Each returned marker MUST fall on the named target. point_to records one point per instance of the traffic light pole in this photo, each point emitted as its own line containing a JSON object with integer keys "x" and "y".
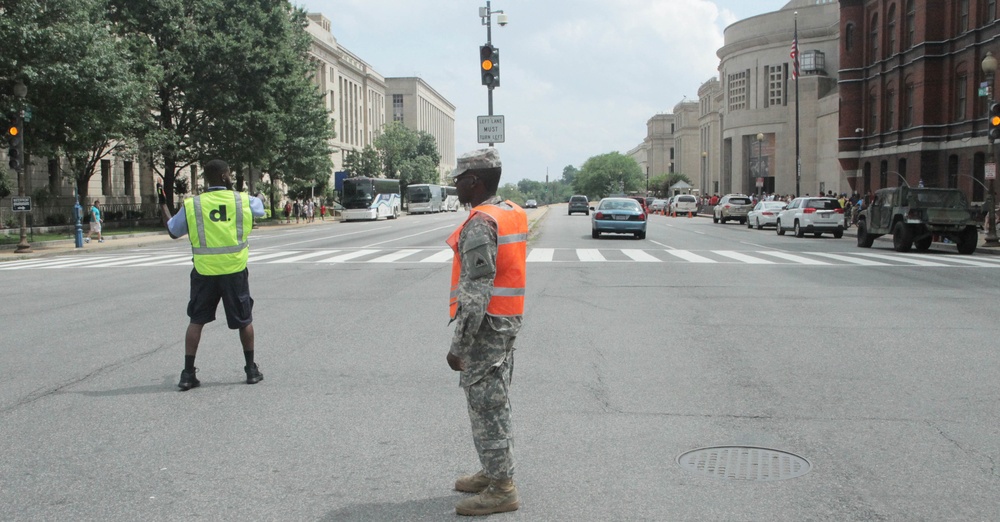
{"x": 22, "y": 246}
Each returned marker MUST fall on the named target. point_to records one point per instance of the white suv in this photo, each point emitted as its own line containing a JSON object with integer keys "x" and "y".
{"x": 816, "y": 215}
{"x": 683, "y": 204}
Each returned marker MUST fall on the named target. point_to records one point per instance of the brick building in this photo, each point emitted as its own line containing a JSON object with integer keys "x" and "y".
{"x": 910, "y": 92}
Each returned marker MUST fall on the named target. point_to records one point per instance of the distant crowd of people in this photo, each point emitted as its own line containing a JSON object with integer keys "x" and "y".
{"x": 304, "y": 210}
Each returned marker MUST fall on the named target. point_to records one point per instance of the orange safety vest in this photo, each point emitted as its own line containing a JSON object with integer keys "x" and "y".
{"x": 512, "y": 253}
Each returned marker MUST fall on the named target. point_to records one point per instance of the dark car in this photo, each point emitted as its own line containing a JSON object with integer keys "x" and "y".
{"x": 579, "y": 203}
{"x": 531, "y": 204}
{"x": 914, "y": 216}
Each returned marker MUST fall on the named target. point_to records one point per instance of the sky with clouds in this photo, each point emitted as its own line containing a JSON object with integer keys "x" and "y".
{"x": 577, "y": 79}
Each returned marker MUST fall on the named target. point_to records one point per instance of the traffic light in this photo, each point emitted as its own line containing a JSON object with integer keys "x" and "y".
{"x": 15, "y": 142}
{"x": 489, "y": 65}
{"x": 994, "y": 121}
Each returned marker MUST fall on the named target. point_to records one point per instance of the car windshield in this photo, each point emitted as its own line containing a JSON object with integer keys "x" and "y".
{"x": 618, "y": 204}
{"x": 822, "y": 204}
{"x": 739, "y": 201}
{"x": 937, "y": 198}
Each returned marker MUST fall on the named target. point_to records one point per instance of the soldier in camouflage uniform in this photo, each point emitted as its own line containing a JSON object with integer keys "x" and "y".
{"x": 483, "y": 344}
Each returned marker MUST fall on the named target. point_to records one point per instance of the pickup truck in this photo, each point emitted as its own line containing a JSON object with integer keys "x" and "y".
{"x": 915, "y": 216}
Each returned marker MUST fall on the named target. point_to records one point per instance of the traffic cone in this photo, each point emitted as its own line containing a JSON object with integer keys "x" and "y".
{"x": 689, "y": 214}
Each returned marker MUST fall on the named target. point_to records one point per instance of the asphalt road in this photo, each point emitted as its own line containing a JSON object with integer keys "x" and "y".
{"x": 878, "y": 371}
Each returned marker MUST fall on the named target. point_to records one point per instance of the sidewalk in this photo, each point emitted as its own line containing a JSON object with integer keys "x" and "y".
{"x": 144, "y": 239}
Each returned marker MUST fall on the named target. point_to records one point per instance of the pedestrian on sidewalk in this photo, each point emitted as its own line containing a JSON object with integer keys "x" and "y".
{"x": 322, "y": 211}
{"x": 218, "y": 222}
{"x": 288, "y": 211}
{"x": 487, "y": 304}
{"x": 95, "y": 222}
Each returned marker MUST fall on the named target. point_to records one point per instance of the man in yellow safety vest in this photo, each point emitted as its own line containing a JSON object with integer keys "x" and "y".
{"x": 218, "y": 222}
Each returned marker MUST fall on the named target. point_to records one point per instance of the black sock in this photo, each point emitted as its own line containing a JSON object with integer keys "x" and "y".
{"x": 249, "y": 357}
{"x": 189, "y": 363}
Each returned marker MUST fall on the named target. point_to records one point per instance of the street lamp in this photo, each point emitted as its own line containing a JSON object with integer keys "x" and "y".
{"x": 760, "y": 155}
{"x": 704, "y": 172}
{"x": 989, "y": 70}
{"x": 20, "y": 92}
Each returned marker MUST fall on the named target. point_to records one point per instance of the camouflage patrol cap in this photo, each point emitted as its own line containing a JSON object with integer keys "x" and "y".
{"x": 477, "y": 159}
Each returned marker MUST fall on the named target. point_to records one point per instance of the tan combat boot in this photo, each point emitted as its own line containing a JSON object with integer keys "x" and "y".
{"x": 472, "y": 483}
{"x": 499, "y": 497}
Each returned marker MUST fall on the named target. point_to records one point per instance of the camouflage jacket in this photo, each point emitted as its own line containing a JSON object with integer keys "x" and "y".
{"x": 477, "y": 245}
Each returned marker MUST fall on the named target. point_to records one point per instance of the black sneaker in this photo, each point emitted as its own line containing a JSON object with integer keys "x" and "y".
{"x": 188, "y": 380}
{"x": 253, "y": 374}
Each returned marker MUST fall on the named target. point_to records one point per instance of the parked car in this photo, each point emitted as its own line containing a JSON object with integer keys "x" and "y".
{"x": 642, "y": 203}
{"x": 815, "y": 215}
{"x": 684, "y": 203}
{"x": 578, "y": 203}
{"x": 764, "y": 214}
{"x": 658, "y": 205}
{"x": 618, "y": 216}
{"x": 531, "y": 204}
{"x": 732, "y": 206}
{"x": 915, "y": 215}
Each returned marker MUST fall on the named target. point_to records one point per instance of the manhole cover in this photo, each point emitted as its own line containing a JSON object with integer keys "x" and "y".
{"x": 744, "y": 463}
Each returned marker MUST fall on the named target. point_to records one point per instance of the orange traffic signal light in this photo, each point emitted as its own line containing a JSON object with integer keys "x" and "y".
{"x": 994, "y": 121}
{"x": 489, "y": 65}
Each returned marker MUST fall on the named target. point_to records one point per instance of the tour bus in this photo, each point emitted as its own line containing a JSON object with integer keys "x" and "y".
{"x": 370, "y": 198}
{"x": 451, "y": 199}
{"x": 424, "y": 198}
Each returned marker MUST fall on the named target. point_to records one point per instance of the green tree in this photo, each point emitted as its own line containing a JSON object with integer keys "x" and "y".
{"x": 610, "y": 173}
{"x": 569, "y": 174}
{"x": 661, "y": 184}
{"x": 511, "y": 192}
{"x": 230, "y": 81}
{"x": 406, "y": 155}
{"x": 85, "y": 99}
{"x": 364, "y": 163}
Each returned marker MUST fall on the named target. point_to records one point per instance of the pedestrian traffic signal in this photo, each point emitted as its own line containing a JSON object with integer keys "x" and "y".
{"x": 489, "y": 65}
{"x": 994, "y": 121}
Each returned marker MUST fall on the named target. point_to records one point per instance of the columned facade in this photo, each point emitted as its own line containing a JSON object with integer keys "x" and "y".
{"x": 420, "y": 108}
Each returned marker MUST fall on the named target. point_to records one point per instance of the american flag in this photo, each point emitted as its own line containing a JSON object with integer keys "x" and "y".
{"x": 794, "y": 55}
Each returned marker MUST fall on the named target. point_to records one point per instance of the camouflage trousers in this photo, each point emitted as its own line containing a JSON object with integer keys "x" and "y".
{"x": 489, "y": 411}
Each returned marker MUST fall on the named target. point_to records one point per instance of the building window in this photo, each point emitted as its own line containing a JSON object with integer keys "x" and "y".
{"x": 901, "y": 167}
{"x": 963, "y": 16}
{"x": 53, "y": 176}
{"x": 890, "y": 31}
{"x": 775, "y": 85}
{"x": 105, "y": 177}
{"x": 890, "y": 110}
{"x": 991, "y": 10}
{"x": 397, "y": 107}
{"x": 883, "y": 174}
{"x": 910, "y": 100}
{"x": 911, "y": 24}
{"x": 738, "y": 91}
{"x": 873, "y": 113}
{"x": 873, "y": 39}
{"x": 129, "y": 182}
{"x": 961, "y": 84}
{"x": 953, "y": 171}
{"x": 849, "y": 38}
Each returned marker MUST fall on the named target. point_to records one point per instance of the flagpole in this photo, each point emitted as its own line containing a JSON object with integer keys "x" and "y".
{"x": 798, "y": 159}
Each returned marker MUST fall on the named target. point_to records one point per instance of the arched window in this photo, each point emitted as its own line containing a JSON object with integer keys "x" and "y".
{"x": 883, "y": 174}
{"x": 890, "y": 31}
{"x": 873, "y": 39}
{"x": 961, "y": 94}
{"x": 911, "y": 25}
{"x": 910, "y": 93}
{"x": 901, "y": 167}
{"x": 890, "y": 108}
{"x": 872, "y": 113}
{"x": 849, "y": 38}
{"x": 953, "y": 171}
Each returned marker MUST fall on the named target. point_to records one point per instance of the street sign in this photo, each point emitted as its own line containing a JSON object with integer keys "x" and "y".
{"x": 490, "y": 129}
{"x": 760, "y": 182}
{"x": 991, "y": 171}
{"x": 22, "y": 204}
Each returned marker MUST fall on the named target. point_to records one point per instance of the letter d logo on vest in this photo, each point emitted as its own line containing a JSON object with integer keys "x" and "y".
{"x": 218, "y": 215}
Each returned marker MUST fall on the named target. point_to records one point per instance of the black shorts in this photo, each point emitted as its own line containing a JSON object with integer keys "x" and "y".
{"x": 232, "y": 289}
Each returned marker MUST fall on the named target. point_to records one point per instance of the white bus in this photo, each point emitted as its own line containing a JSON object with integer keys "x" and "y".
{"x": 370, "y": 198}
{"x": 424, "y": 199}
{"x": 451, "y": 199}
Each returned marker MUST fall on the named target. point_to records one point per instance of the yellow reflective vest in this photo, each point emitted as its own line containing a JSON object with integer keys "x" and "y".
{"x": 219, "y": 224}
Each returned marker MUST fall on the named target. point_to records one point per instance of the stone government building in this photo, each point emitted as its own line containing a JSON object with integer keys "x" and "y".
{"x": 867, "y": 70}
{"x": 359, "y": 99}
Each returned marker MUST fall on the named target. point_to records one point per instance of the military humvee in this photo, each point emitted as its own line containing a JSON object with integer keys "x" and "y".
{"x": 914, "y": 216}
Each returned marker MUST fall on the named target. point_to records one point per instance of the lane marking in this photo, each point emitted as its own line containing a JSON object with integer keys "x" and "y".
{"x": 541, "y": 255}
{"x": 690, "y": 256}
{"x": 442, "y": 256}
{"x": 347, "y": 257}
{"x": 794, "y": 258}
{"x": 640, "y": 256}
{"x": 589, "y": 254}
{"x": 395, "y": 256}
{"x": 743, "y": 257}
{"x": 852, "y": 260}
{"x": 309, "y": 255}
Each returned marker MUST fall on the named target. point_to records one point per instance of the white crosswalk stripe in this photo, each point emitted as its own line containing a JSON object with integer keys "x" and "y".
{"x": 536, "y": 256}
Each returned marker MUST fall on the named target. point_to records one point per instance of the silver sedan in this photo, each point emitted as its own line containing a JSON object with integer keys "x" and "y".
{"x": 764, "y": 214}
